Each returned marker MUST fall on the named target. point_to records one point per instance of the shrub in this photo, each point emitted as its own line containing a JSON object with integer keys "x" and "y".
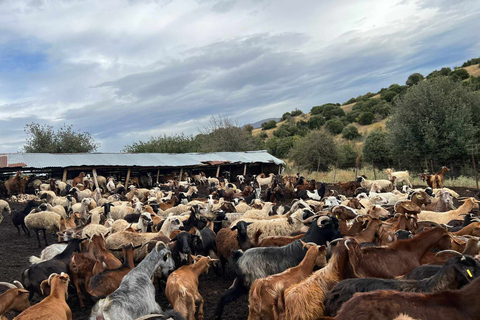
{"x": 459, "y": 75}
{"x": 280, "y": 147}
{"x": 315, "y": 151}
{"x": 315, "y": 122}
{"x": 269, "y": 125}
{"x": 388, "y": 95}
{"x": 383, "y": 109}
{"x": 285, "y": 116}
{"x": 346, "y": 155}
{"x": 350, "y": 132}
{"x": 397, "y": 88}
{"x": 263, "y": 135}
{"x": 285, "y": 130}
{"x": 352, "y": 116}
{"x": 414, "y": 79}
{"x": 296, "y": 112}
{"x": 334, "y": 126}
{"x": 439, "y": 73}
{"x": 376, "y": 149}
{"x": 351, "y": 100}
{"x": 471, "y": 62}
{"x": 248, "y": 128}
{"x": 332, "y": 111}
{"x": 366, "y": 118}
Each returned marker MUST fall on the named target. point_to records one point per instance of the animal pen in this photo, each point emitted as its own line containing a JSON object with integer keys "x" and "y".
{"x": 123, "y": 166}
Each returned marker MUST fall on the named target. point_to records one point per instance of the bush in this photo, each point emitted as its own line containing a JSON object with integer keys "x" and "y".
{"x": 351, "y": 100}
{"x": 471, "y": 62}
{"x": 366, "y": 118}
{"x": 347, "y": 155}
{"x": 334, "y": 126}
{"x": 350, "y": 132}
{"x": 376, "y": 149}
{"x": 263, "y": 135}
{"x": 332, "y": 111}
{"x": 414, "y": 79}
{"x": 388, "y": 95}
{"x": 285, "y": 116}
{"x": 319, "y": 109}
{"x": 352, "y": 116}
{"x": 440, "y": 73}
{"x": 315, "y": 151}
{"x": 315, "y": 122}
{"x": 248, "y": 128}
{"x": 285, "y": 130}
{"x": 459, "y": 75}
{"x": 280, "y": 147}
{"x": 383, "y": 109}
{"x": 397, "y": 88}
{"x": 269, "y": 125}
{"x": 296, "y": 112}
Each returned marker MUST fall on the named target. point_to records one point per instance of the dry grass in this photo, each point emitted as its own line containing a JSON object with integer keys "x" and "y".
{"x": 473, "y": 70}
{"x": 345, "y": 175}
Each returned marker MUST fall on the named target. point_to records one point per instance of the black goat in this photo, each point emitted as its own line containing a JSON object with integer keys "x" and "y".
{"x": 18, "y": 218}
{"x": 106, "y": 207}
{"x": 422, "y": 272}
{"x": 459, "y": 224}
{"x": 456, "y": 273}
{"x": 33, "y": 276}
{"x": 258, "y": 263}
{"x": 183, "y": 248}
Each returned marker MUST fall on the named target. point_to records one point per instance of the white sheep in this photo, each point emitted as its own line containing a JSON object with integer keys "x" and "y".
{"x": 259, "y": 213}
{"x": 94, "y": 227}
{"x": 48, "y": 253}
{"x": 110, "y": 185}
{"x": 65, "y": 202}
{"x": 400, "y": 176}
{"x": 47, "y": 221}
{"x": 4, "y": 206}
{"x": 119, "y": 225}
{"x": 265, "y": 181}
{"x": 386, "y": 185}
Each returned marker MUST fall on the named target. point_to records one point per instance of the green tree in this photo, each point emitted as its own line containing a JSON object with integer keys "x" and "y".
{"x": 414, "y": 79}
{"x": 332, "y": 111}
{"x": 315, "y": 122}
{"x": 285, "y": 116}
{"x": 366, "y": 118}
{"x": 334, "y": 126}
{"x": 44, "y": 139}
{"x": 347, "y": 155}
{"x": 280, "y": 147}
{"x": 388, "y": 95}
{"x": 315, "y": 151}
{"x": 440, "y": 73}
{"x": 285, "y": 130}
{"x": 263, "y": 135}
{"x": 164, "y": 144}
{"x": 269, "y": 125}
{"x": 459, "y": 75}
{"x": 471, "y": 62}
{"x": 436, "y": 118}
{"x": 248, "y": 128}
{"x": 350, "y": 132}
{"x": 296, "y": 112}
{"x": 376, "y": 149}
{"x": 351, "y": 100}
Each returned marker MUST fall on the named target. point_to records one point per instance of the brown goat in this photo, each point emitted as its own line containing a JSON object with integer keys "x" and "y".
{"x": 53, "y": 307}
{"x": 368, "y": 234}
{"x": 348, "y": 188}
{"x": 265, "y": 292}
{"x": 17, "y": 184}
{"x": 275, "y": 241}
{"x": 398, "y": 258}
{"x": 445, "y": 305}
{"x": 182, "y": 287}
{"x": 78, "y": 179}
{"x": 108, "y": 258}
{"x": 81, "y": 266}
{"x": 106, "y": 282}
{"x": 15, "y": 298}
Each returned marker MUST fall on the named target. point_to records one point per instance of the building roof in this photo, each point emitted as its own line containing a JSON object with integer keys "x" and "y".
{"x": 64, "y": 160}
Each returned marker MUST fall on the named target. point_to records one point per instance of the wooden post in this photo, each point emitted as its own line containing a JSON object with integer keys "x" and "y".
{"x": 128, "y": 177}
{"x": 94, "y": 171}
{"x": 244, "y": 169}
{"x": 279, "y": 169}
{"x": 374, "y": 173}
{"x": 64, "y": 179}
{"x": 475, "y": 169}
{"x": 181, "y": 174}
{"x": 218, "y": 171}
{"x": 158, "y": 174}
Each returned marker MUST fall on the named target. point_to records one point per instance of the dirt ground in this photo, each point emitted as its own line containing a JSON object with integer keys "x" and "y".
{"x": 16, "y": 249}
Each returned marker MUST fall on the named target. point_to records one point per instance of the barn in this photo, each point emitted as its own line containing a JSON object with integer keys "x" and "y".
{"x": 122, "y": 166}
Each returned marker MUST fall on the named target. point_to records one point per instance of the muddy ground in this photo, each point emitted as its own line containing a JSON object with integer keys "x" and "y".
{"x": 15, "y": 250}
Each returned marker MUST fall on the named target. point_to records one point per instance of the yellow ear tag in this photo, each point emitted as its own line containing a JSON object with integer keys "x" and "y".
{"x": 167, "y": 255}
{"x": 336, "y": 216}
{"x": 406, "y": 205}
{"x": 469, "y": 273}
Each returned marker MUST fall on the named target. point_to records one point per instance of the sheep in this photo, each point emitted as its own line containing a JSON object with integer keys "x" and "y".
{"x": 170, "y": 224}
{"x": 385, "y": 185}
{"x": 111, "y": 185}
{"x": 265, "y": 292}
{"x": 400, "y": 176}
{"x": 259, "y": 214}
{"x": 54, "y": 306}
{"x": 445, "y": 217}
{"x": 66, "y": 202}
{"x": 119, "y": 225}
{"x": 80, "y": 195}
{"x": 182, "y": 287}
{"x": 15, "y": 298}
{"x": 94, "y": 227}
{"x": 48, "y": 253}
{"x": 231, "y": 239}
{"x": 144, "y": 221}
{"x": 135, "y": 297}
{"x": 265, "y": 181}
{"x": 44, "y": 220}
{"x": 57, "y": 209}
{"x": 120, "y": 211}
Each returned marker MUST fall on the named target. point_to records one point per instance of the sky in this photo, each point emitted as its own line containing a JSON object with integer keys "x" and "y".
{"x": 128, "y": 70}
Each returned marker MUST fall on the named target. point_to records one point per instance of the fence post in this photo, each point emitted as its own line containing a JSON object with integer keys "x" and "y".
{"x": 374, "y": 173}
{"x": 475, "y": 169}
{"x": 335, "y": 173}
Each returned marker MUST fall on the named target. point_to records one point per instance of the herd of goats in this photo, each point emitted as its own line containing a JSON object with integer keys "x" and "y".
{"x": 375, "y": 250}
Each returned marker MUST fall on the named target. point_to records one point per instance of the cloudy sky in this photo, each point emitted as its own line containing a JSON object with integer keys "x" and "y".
{"x": 127, "y": 70}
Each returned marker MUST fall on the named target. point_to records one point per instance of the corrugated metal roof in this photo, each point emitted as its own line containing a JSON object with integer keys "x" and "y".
{"x": 63, "y": 160}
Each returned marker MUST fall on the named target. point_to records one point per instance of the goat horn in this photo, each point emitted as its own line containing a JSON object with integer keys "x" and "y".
{"x": 336, "y": 240}
{"x": 9, "y": 285}
{"x": 18, "y": 284}
{"x": 448, "y": 251}
{"x": 428, "y": 221}
{"x": 476, "y": 219}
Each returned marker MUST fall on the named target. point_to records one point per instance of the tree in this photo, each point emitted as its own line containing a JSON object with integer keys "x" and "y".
{"x": 366, "y": 118}
{"x": 315, "y": 122}
{"x": 350, "y": 132}
{"x": 332, "y": 111}
{"x": 459, "y": 75}
{"x": 285, "y": 116}
{"x": 437, "y": 119}
{"x": 280, "y": 147}
{"x": 296, "y": 112}
{"x": 376, "y": 149}
{"x": 414, "y": 79}
{"x": 164, "y": 144}
{"x": 248, "y": 128}
{"x": 334, "y": 126}
{"x": 44, "y": 139}
{"x": 315, "y": 151}
{"x": 269, "y": 125}
{"x": 388, "y": 95}
{"x": 347, "y": 155}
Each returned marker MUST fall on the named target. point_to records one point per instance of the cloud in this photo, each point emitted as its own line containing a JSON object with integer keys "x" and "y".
{"x": 127, "y": 70}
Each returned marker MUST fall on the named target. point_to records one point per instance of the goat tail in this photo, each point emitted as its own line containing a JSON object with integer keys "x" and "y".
{"x": 279, "y": 306}
{"x": 34, "y": 260}
{"x": 255, "y": 300}
{"x": 257, "y": 237}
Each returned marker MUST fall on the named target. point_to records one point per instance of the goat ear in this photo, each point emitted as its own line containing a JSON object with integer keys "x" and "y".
{"x": 174, "y": 239}
{"x": 249, "y": 223}
{"x": 159, "y": 246}
{"x": 43, "y": 287}
{"x": 233, "y": 228}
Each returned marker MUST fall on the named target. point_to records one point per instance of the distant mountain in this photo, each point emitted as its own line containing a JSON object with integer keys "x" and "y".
{"x": 258, "y": 124}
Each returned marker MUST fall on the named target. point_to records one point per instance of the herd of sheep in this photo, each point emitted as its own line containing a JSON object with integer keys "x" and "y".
{"x": 300, "y": 250}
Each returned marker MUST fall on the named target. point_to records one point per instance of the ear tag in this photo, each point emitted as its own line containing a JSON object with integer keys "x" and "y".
{"x": 167, "y": 255}
{"x": 469, "y": 273}
{"x": 407, "y": 205}
{"x": 336, "y": 216}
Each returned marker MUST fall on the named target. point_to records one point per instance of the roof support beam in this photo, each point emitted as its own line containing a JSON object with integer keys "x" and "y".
{"x": 129, "y": 171}
{"x": 64, "y": 178}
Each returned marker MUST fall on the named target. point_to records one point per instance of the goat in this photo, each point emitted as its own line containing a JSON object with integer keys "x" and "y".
{"x": 265, "y": 181}
{"x": 135, "y": 297}
{"x": 456, "y": 273}
{"x": 80, "y": 267}
{"x": 385, "y": 185}
{"x": 231, "y": 239}
{"x": 15, "y": 298}
{"x": 445, "y": 305}
{"x": 444, "y": 217}
{"x": 182, "y": 287}
{"x": 265, "y": 292}
{"x": 54, "y": 306}
{"x": 400, "y": 176}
